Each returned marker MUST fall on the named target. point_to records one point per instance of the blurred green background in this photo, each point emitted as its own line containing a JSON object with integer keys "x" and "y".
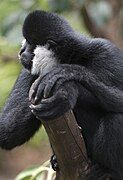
{"x": 94, "y": 18}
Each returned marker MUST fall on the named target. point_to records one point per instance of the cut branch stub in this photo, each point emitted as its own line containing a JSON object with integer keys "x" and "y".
{"x": 69, "y": 147}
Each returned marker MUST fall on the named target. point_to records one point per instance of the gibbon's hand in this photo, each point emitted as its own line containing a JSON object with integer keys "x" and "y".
{"x": 52, "y": 95}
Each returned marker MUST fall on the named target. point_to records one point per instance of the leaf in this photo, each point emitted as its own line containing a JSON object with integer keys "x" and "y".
{"x": 44, "y": 172}
{"x": 25, "y": 175}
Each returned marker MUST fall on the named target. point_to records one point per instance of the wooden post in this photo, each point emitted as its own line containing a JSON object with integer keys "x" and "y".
{"x": 69, "y": 148}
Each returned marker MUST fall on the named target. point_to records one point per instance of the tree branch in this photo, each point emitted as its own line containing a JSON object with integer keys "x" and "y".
{"x": 69, "y": 147}
{"x": 90, "y": 24}
{"x": 112, "y": 29}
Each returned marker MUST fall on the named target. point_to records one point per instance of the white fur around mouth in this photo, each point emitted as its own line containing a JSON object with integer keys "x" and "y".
{"x": 43, "y": 61}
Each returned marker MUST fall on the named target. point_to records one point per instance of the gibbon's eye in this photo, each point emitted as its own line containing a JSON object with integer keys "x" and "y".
{"x": 51, "y": 44}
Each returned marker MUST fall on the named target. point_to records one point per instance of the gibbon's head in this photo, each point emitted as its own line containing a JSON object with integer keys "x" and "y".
{"x": 49, "y": 41}
{"x": 40, "y": 26}
{"x": 39, "y": 60}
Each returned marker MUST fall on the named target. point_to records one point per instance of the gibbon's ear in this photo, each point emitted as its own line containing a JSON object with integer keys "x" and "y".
{"x": 51, "y": 44}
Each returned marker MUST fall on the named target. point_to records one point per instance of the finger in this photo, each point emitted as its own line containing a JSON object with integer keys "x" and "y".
{"x": 31, "y": 94}
{"x": 40, "y": 92}
{"x": 45, "y": 104}
{"x": 35, "y": 107}
{"x": 44, "y": 115}
{"x": 54, "y": 76}
{"x": 34, "y": 88}
{"x": 52, "y": 112}
{"x": 48, "y": 89}
{"x": 58, "y": 98}
{"x": 48, "y": 104}
{"x": 55, "y": 81}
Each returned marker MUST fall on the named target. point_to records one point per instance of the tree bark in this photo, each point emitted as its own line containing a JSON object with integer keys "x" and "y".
{"x": 68, "y": 145}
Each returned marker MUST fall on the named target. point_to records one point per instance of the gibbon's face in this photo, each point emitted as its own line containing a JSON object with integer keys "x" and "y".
{"x": 45, "y": 35}
{"x": 37, "y": 59}
{"x": 26, "y": 54}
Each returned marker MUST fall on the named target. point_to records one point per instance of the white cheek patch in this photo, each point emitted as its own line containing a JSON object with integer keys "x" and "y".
{"x": 43, "y": 61}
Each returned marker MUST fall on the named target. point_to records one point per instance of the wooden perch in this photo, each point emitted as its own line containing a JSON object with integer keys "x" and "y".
{"x": 69, "y": 147}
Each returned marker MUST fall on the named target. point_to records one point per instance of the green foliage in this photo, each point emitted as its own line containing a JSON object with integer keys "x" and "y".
{"x": 43, "y": 4}
{"x": 75, "y": 21}
{"x": 7, "y": 48}
{"x": 65, "y": 5}
{"x": 40, "y": 136}
{"x": 12, "y": 15}
{"x": 13, "y": 12}
{"x": 8, "y": 75}
{"x": 60, "y": 5}
{"x": 44, "y": 172}
{"x": 7, "y": 8}
{"x": 100, "y": 11}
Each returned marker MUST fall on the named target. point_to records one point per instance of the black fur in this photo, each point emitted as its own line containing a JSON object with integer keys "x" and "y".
{"x": 26, "y": 55}
{"x": 89, "y": 79}
{"x": 17, "y": 123}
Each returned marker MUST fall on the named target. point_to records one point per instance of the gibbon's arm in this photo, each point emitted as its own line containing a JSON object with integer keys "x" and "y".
{"x": 110, "y": 97}
{"x": 17, "y": 123}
